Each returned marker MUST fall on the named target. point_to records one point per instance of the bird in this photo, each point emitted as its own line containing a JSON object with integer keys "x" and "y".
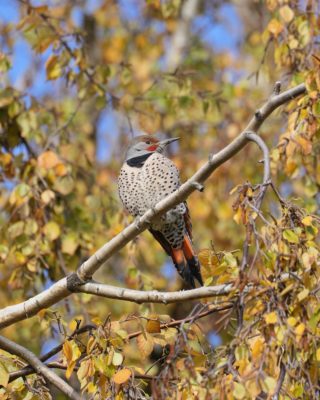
{"x": 146, "y": 177}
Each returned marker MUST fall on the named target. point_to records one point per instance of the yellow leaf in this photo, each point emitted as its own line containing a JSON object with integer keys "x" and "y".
{"x": 318, "y": 354}
{"x": 70, "y": 369}
{"x": 286, "y": 13}
{"x": 145, "y": 344}
{"x": 257, "y": 348}
{"x": 91, "y": 343}
{"x": 67, "y": 351}
{"x": 269, "y": 384}
{"x": 47, "y": 196}
{"x": 271, "y": 318}
{"x": 53, "y": 68}
{"x": 48, "y": 160}
{"x": 275, "y": 27}
{"x": 122, "y": 376}
{"x": 291, "y": 321}
{"x": 69, "y": 244}
{"x": 305, "y": 144}
{"x": 51, "y": 230}
{"x": 4, "y": 375}
{"x": 307, "y": 221}
{"x": 303, "y": 294}
{"x": 238, "y": 216}
{"x": 300, "y": 330}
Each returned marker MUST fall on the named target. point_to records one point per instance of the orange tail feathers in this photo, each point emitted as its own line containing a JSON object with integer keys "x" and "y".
{"x": 182, "y": 267}
{"x": 192, "y": 259}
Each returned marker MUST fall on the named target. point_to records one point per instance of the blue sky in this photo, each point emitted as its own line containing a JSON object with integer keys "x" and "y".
{"x": 221, "y": 36}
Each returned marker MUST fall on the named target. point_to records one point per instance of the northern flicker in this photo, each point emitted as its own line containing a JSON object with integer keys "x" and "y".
{"x": 146, "y": 177}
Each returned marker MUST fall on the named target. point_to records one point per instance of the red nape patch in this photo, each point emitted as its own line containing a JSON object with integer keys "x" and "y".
{"x": 152, "y": 148}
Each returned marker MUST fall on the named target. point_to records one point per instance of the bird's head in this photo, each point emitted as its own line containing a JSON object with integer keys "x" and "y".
{"x": 142, "y": 146}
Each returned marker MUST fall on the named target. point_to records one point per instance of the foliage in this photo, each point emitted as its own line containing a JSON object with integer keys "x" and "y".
{"x": 59, "y": 200}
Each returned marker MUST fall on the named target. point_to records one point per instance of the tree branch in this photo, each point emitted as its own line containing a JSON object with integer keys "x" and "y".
{"x": 181, "y": 34}
{"x": 65, "y": 286}
{"x": 153, "y": 296}
{"x": 39, "y": 367}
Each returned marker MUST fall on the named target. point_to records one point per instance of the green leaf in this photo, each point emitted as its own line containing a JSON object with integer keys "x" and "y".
{"x": 16, "y": 230}
{"x": 290, "y": 236}
{"x": 239, "y": 391}
{"x": 52, "y": 230}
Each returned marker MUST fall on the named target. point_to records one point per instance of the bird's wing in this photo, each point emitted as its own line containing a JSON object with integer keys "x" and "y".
{"x": 187, "y": 221}
{"x": 162, "y": 240}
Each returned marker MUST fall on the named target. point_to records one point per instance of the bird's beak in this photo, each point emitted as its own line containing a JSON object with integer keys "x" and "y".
{"x": 165, "y": 142}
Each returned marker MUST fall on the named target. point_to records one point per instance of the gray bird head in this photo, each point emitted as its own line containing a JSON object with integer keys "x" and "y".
{"x": 142, "y": 146}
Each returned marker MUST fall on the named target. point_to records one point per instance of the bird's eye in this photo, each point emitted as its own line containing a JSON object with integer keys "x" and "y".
{"x": 148, "y": 142}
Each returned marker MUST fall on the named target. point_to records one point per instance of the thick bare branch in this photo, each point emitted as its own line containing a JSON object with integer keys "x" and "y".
{"x": 153, "y": 296}
{"x": 39, "y": 367}
{"x": 65, "y": 286}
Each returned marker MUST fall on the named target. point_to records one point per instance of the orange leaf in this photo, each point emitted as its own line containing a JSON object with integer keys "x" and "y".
{"x": 67, "y": 351}
{"x": 153, "y": 326}
{"x": 122, "y": 376}
{"x": 145, "y": 344}
{"x": 48, "y": 160}
{"x": 275, "y": 27}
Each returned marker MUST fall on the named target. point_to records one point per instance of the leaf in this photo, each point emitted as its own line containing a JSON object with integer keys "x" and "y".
{"x": 52, "y": 230}
{"x": 303, "y": 294}
{"x": 47, "y": 196}
{"x": 239, "y": 391}
{"x": 269, "y": 384}
{"x": 290, "y": 236}
{"x": 69, "y": 243}
{"x": 275, "y": 27}
{"x": 291, "y": 321}
{"x": 48, "y": 160}
{"x": 153, "y": 324}
{"x": 271, "y": 318}
{"x": 257, "y": 348}
{"x": 145, "y": 344}
{"x": 16, "y": 229}
{"x": 117, "y": 359}
{"x": 286, "y": 14}
{"x": 64, "y": 185}
{"x": 4, "y": 375}
{"x": 299, "y": 331}
{"x": 67, "y": 350}
{"x": 53, "y": 68}
{"x": 307, "y": 221}
{"x": 122, "y": 376}
{"x": 70, "y": 369}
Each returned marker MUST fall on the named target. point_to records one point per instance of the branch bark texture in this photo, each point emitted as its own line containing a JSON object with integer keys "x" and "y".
{"x": 63, "y": 288}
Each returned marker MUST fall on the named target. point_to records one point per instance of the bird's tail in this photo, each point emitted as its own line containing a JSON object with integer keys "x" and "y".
{"x": 187, "y": 262}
